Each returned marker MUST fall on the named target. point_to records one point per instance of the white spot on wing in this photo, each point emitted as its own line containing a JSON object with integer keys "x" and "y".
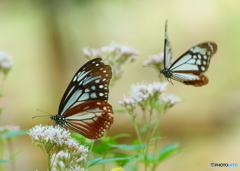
{"x": 90, "y": 79}
{"x": 197, "y": 49}
{"x": 93, "y": 95}
{"x": 198, "y": 62}
{"x": 93, "y": 88}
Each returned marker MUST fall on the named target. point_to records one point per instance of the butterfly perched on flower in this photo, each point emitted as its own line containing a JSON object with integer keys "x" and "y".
{"x": 189, "y": 67}
{"x": 84, "y": 107}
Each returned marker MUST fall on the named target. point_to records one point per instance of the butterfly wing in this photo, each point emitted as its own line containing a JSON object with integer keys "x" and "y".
{"x": 90, "y": 119}
{"x": 190, "y": 66}
{"x": 167, "y": 49}
{"x": 89, "y": 83}
{"x": 84, "y": 106}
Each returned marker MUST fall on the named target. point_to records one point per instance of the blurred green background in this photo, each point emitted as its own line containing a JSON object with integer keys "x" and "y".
{"x": 45, "y": 38}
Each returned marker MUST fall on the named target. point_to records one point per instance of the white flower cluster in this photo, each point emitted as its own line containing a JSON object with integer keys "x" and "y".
{"x": 154, "y": 59}
{"x": 64, "y": 151}
{"x": 49, "y": 135}
{"x": 146, "y": 93}
{"x": 11, "y": 127}
{"x": 6, "y": 62}
{"x": 59, "y": 163}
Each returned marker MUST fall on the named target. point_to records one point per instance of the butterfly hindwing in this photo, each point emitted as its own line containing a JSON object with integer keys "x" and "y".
{"x": 90, "y": 119}
{"x": 189, "y": 67}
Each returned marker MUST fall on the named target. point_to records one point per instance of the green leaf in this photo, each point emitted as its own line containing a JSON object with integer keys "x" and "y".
{"x": 98, "y": 161}
{"x": 137, "y": 147}
{"x": 149, "y": 159}
{"x": 120, "y": 110}
{"x": 4, "y": 161}
{"x": 101, "y": 148}
{"x": 158, "y": 106}
{"x": 11, "y": 134}
{"x": 168, "y": 151}
{"x": 81, "y": 139}
{"x": 147, "y": 127}
{"x": 120, "y": 136}
{"x": 127, "y": 158}
{"x": 93, "y": 162}
{"x": 156, "y": 137}
{"x": 104, "y": 145}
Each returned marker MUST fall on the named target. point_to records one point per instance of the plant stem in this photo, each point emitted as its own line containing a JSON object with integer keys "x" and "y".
{"x": 10, "y": 147}
{"x": 1, "y": 150}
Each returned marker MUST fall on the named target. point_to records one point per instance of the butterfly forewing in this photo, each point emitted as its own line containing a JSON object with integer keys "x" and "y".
{"x": 167, "y": 49}
{"x": 89, "y": 83}
{"x": 196, "y": 59}
{"x": 189, "y": 67}
{"x": 84, "y": 107}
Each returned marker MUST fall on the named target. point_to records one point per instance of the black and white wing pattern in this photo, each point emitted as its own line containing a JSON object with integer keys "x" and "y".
{"x": 189, "y": 67}
{"x": 84, "y": 107}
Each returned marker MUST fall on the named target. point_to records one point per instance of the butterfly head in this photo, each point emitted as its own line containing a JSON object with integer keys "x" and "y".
{"x": 59, "y": 119}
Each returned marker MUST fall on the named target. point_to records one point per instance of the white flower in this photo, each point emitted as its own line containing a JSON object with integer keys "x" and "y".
{"x": 6, "y": 62}
{"x": 66, "y": 153}
{"x": 157, "y": 87}
{"x": 154, "y": 59}
{"x": 49, "y": 134}
{"x": 172, "y": 99}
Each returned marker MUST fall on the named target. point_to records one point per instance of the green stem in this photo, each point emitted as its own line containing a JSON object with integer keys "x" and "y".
{"x": 1, "y": 150}
{"x": 10, "y": 147}
{"x": 2, "y": 84}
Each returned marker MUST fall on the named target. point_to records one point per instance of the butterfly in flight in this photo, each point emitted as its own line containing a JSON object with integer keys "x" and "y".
{"x": 84, "y": 107}
{"x": 189, "y": 67}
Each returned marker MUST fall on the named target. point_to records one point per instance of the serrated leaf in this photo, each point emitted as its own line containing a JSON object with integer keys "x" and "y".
{"x": 167, "y": 152}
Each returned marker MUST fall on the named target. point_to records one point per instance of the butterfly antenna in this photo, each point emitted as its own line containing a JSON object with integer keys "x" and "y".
{"x": 42, "y": 115}
{"x": 166, "y": 23}
{"x": 149, "y": 66}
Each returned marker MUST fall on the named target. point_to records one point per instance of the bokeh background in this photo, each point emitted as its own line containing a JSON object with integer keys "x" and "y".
{"x": 46, "y": 37}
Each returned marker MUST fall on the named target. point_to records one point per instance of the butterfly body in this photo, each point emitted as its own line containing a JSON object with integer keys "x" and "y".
{"x": 189, "y": 67}
{"x": 84, "y": 107}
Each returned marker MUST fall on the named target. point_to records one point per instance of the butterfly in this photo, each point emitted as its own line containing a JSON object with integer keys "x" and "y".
{"x": 189, "y": 67}
{"x": 84, "y": 107}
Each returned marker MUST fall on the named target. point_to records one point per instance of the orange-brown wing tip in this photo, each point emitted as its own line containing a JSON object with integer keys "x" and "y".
{"x": 197, "y": 83}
